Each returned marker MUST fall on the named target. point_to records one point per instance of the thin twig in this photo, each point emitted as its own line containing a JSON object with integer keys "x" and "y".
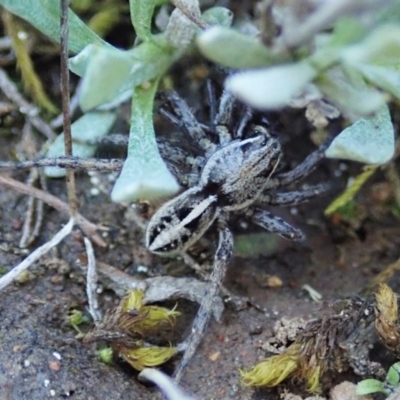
{"x": 191, "y": 263}
{"x": 31, "y": 112}
{"x": 239, "y": 302}
{"x": 165, "y": 384}
{"x": 73, "y": 106}
{"x": 91, "y": 283}
{"x": 34, "y": 212}
{"x": 179, "y": 4}
{"x": 76, "y": 163}
{"x": 64, "y": 86}
{"x": 27, "y": 237}
{"x": 87, "y": 227}
{"x": 5, "y": 43}
{"x": 39, "y": 252}
{"x": 158, "y": 288}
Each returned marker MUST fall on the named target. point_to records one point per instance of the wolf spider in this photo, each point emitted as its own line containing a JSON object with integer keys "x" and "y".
{"x": 236, "y": 175}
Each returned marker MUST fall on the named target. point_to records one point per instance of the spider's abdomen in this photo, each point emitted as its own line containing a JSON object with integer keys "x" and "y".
{"x": 238, "y": 172}
{"x": 180, "y": 222}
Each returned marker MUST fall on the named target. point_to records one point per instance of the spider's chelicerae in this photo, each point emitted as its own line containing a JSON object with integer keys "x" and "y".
{"x": 236, "y": 175}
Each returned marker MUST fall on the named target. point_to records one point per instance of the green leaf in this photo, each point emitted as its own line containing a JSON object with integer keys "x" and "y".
{"x": 348, "y": 91}
{"x": 216, "y": 44}
{"x": 369, "y": 386}
{"x": 141, "y": 16}
{"x": 384, "y": 77}
{"x": 256, "y": 244}
{"x": 392, "y": 376}
{"x": 380, "y": 47}
{"x": 218, "y": 16}
{"x": 347, "y": 29}
{"x": 144, "y": 175}
{"x": 107, "y": 70}
{"x": 78, "y": 64}
{"x": 91, "y": 126}
{"x": 271, "y": 88}
{"x": 110, "y": 83}
{"x": 369, "y": 140}
{"x": 45, "y": 16}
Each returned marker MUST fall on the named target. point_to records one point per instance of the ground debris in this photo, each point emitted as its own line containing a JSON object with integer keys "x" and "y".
{"x": 340, "y": 340}
{"x": 128, "y": 327}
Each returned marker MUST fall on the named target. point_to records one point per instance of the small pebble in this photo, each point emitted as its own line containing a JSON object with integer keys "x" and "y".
{"x": 54, "y": 365}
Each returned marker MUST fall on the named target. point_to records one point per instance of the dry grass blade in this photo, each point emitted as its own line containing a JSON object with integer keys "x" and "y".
{"x": 91, "y": 283}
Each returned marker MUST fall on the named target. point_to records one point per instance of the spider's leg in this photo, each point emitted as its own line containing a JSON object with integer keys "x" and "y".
{"x": 223, "y": 117}
{"x": 301, "y": 171}
{"x": 174, "y": 154}
{"x": 277, "y": 225}
{"x": 248, "y": 114}
{"x": 221, "y": 260}
{"x": 211, "y": 100}
{"x": 295, "y": 197}
{"x": 177, "y": 161}
{"x": 184, "y": 118}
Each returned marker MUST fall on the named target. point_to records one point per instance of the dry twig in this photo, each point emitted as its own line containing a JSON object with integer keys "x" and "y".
{"x": 5, "y": 280}
{"x": 31, "y": 112}
{"x": 159, "y": 288}
{"x": 64, "y": 86}
{"x": 87, "y": 227}
{"x": 185, "y": 10}
{"x": 165, "y": 384}
{"x": 77, "y": 163}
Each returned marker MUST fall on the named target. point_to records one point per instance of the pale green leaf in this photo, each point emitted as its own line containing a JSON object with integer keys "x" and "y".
{"x": 392, "y": 376}
{"x": 79, "y": 63}
{"x": 147, "y": 61}
{"x": 368, "y": 386}
{"x": 369, "y": 140}
{"x": 91, "y": 126}
{"x": 218, "y": 16}
{"x": 380, "y": 47}
{"x": 349, "y": 92}
{"x": 347, "y": 29}
{"x": 107, "y": 70}
{"x": 216, "y": 44}
{"x": 45, "y": 16}
{"x": 256, "y": 244}
{"x": 141, "y": 16}
{"x": 271, "y": 88}
{"x": 144, "y": 175}
{"x": 384, "y": 77}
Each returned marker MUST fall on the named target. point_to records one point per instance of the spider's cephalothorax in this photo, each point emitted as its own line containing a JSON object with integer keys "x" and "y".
{"x": 232, "y": 179}
{"x": 237, "y": 175}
